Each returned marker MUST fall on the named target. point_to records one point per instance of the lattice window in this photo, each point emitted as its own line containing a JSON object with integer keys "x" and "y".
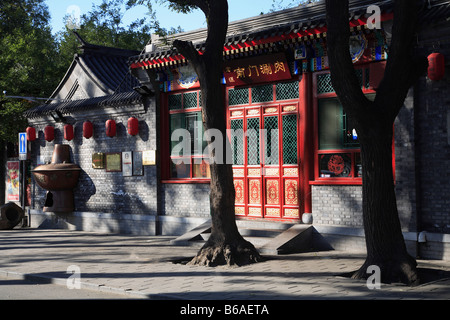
{"x": 262, "y": 93}
{"x": 253, "y": 141}
{"x": 324, "y": 84}
{"x": 290, "y": 139}
{"x": 238, "y": 96}
{"x": 271, "y": 140}
{"x": 190, "y": 100}
{"x": 237, "y": 141}
{"x": 175, "y": 102}
{"x": 287, "y": 90}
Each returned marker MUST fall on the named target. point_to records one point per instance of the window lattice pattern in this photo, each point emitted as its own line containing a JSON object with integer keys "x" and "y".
{"x": 190, "y": 100}
{"x": 253, "y": 141}
{"x": 271, "y": 140}
{"x": 237, "y": 141}
{"x": 290, "y": 139}
{"x": 324, "y": 84}
{"x": 175, "y": 102}
{"x": 287, "y": 90}
{"x": 238, "y": 96}
{"x": 262, "y": 93}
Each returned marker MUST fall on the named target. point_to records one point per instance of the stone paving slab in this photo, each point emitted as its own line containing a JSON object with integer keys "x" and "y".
{"x": 143, "y": 267}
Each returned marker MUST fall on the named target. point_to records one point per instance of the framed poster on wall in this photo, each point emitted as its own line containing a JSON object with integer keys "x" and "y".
{"x": 114, "y": 162}
{"x": 127, "y": 164}
{"x": 138, "y": 169}
{"x": 12, "y": 181}
{"x": 98, "y": 160}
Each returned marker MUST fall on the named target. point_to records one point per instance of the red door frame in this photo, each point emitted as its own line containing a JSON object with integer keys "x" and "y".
{"x": 304, "y": 152}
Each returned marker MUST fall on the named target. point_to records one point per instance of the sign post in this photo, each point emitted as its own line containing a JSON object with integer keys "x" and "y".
{"x": 22, "y": 146}
{"x": 23, "y": 158}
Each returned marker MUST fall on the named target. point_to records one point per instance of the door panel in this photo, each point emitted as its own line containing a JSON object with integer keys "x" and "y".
{"x": 264, "y": 142}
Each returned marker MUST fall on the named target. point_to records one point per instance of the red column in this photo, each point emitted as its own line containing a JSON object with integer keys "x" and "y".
{"x": 306, "y": 141}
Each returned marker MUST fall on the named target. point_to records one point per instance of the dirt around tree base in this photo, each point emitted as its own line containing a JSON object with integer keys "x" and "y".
{"x": 237, "y": 253}
{"x": 402, "y": 270}
{"x": 425, "y": 275}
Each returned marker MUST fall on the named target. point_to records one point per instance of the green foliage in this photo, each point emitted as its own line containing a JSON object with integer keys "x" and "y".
{"x": 12, "y": 120}
{"x": 27, "y": 58}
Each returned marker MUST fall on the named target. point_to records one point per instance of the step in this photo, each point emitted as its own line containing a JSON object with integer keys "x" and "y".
{"x": 268, "y": 237}
{"x": 296, "y": 239}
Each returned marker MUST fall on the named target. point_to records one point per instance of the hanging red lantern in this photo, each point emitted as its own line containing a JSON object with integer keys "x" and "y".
{"x": 49, "y": 133}
{"x": 68, "y": 132}
{"x": 110, "y": 128}
{"x": 88, "y": 129}
{"x": 436, "y": 66}
{"x": 133, "y": 126}
{"x": 31, "y": 134}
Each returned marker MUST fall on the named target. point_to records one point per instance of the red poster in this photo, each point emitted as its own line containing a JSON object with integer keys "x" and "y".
{"x": 12, "y": 181}
{"x": 265, "y": 68}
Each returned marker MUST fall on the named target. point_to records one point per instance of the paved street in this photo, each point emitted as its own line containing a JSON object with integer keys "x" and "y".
{"x": 143, "y": 267}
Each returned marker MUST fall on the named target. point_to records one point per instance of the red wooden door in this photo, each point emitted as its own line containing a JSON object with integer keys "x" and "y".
{"x": 266, "y": 164}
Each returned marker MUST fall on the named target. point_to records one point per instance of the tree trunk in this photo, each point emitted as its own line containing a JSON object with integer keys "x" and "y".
{"x": 384, "y": 239}
{"x": 225, "y": 244}
{"x": 374, "y": 123}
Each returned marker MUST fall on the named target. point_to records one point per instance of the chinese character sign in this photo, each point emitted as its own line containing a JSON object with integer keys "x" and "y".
{"x": 256, "y": 70}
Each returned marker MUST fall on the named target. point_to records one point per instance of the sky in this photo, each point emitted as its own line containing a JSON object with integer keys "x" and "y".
{"x": 238, "y": 9}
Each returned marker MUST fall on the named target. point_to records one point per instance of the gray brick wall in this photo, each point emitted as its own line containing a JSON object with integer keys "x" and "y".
{"x": 98, "y": 190}
{"x": 433, "y": 107}
{"x": 186, "y": 200}
{"x": 337, "y": 205}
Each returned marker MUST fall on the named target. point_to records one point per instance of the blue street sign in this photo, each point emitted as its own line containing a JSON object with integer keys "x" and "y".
{"x": 22, "y": 143}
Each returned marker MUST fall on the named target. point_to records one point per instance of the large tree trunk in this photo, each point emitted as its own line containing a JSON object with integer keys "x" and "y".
{"x": 384, "y": 239}
{"x": 225, "y": 244}
{"x": 374, "y": 123}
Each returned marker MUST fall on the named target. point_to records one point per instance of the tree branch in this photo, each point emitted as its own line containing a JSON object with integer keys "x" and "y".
{"x": 343, "y": 75}
{"x": 187, "y": 49}
{"x": 402, "y": 69}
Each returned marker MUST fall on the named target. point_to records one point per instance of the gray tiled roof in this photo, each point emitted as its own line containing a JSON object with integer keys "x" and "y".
{"x": 114, "y": 100}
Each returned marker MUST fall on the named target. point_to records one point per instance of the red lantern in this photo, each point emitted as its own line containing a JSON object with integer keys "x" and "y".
{"x": 133, "y": 126}
{"x": 436, "y": 66}
{"x": 88, "y": 129}
{"x": 31, "y": 134}
{"x": 68, "y": 132}
{"x": 110, "y": 128}
{"x": 49, "y": 133}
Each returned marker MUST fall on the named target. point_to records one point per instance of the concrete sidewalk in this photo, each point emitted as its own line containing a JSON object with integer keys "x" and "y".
{"x": 143, "y": 267}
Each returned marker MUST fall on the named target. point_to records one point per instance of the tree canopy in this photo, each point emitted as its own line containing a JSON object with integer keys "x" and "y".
{"x": 28, "y": 56}
{"x": 33, "y": 60}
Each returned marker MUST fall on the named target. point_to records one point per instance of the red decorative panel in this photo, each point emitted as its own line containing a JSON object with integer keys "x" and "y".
{"x": 291, "y": 192}
{"x": 254, "y": 191}
{"x": 239, "y": 211}
{"x": 272, "y": 192}
{"x": 239, "y": 189}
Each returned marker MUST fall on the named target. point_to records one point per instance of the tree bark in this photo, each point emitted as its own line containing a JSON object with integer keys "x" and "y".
{"x": 374, "y": 123}
{"x": 225, "y": 244}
